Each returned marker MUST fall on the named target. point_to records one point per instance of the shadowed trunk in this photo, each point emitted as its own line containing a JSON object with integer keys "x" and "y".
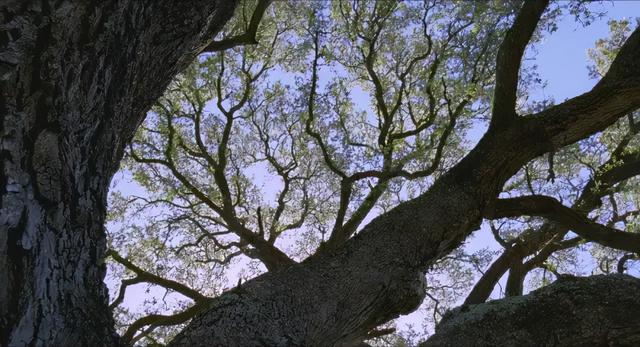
{"x": 76, "y": 79}
{"x": 573, "y": 311}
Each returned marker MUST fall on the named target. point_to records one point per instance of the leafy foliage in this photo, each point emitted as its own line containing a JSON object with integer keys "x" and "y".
{"x": 265, "y": 154}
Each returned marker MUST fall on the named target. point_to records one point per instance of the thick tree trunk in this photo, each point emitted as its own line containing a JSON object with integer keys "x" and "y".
{"x": 76, "y": 79}
{"x": 573, "y": 311}
{"x": 335, "y": 298}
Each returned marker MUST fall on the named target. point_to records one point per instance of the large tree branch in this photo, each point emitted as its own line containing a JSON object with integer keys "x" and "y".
{"x": 484, "y": 286}
{"x": 249, "y": 37}
{"x": 510, "y": 58}
{"x": 621, "y": 166}
{"x": 548, "y": 207}
{"x": 573, "y": 311}
{"x": 615, "y": 96}
{"x": 145, "y": 276}
{"x": 615, "y": 170}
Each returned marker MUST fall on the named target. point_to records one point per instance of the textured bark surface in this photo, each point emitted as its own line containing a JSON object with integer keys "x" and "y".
{"x": 573, "y": 311}
{"x": 335, "y": 297}
{"x": 76, "y": 79}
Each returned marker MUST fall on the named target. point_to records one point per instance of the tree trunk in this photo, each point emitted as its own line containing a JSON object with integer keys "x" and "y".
{"x": 573, "y": 311}
{"x": 76, "y": 79}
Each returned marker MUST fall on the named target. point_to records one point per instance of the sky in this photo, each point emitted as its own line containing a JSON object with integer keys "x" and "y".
{"x": 562, "y": 62}
{"x": 562, "y": 57}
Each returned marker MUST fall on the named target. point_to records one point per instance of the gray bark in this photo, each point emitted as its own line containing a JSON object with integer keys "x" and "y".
{"x": 76, "y": 79}
{"x": 573, "y": 311}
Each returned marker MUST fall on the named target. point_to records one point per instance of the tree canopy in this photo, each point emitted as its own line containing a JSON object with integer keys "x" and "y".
{"x": 285, "y": 139}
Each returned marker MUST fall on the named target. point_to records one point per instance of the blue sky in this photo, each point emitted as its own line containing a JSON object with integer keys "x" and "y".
{"x": 562, "y": 57}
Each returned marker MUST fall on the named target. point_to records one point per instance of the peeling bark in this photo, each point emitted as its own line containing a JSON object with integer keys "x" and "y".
{"x": 76, "y": 79}
{"x": 573, "y": 311}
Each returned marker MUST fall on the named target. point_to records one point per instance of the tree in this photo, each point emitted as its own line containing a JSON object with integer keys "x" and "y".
{"x": 335, "y": 160}
{"x": 358, "y": 277}
{"x": 611, "y": 168}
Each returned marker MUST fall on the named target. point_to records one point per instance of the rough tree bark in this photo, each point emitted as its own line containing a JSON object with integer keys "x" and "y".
{"x": 335, "y": 297}
{"x": 76, "y": 79}
{"x": 573, "y": 311}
